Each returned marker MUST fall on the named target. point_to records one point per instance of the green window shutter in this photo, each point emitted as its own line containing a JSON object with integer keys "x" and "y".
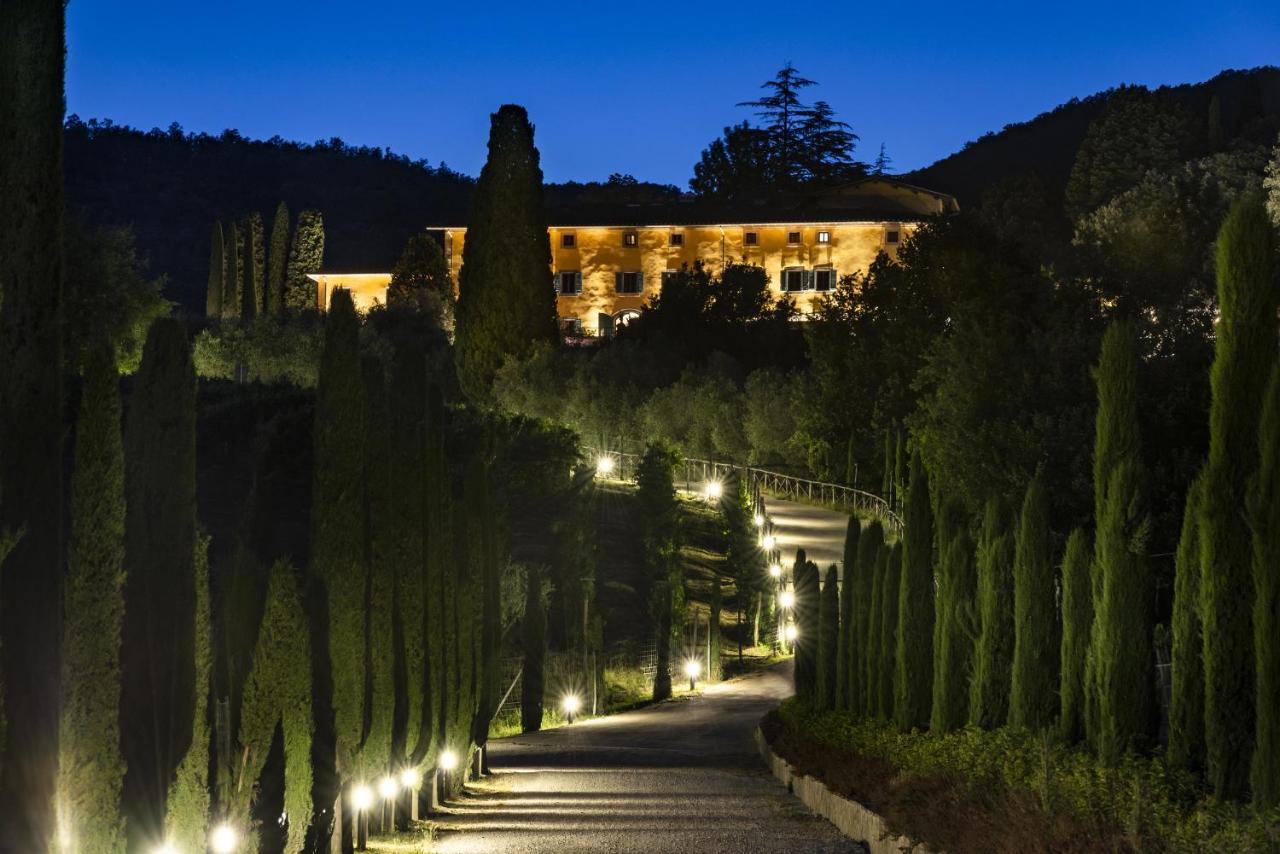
{"x": 577, "y": 282}
{"x": 617, "y": 282}
{"x": 640, "y": 282}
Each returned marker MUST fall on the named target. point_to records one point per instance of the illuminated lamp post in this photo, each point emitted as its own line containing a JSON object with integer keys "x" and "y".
{"x": 712, "y": 490}
{"x": 224, "y": 839}
{"x": 361, "y": 801}
{"x": 692, "y": 668}
{"x": 570, "y": 705}
{"x": 411, "y": 780}
{"x": 388, "y": 788}
{"x": 604, "y": 465}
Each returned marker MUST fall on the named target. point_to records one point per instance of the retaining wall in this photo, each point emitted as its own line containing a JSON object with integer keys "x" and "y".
{"x": 850, "y": 817}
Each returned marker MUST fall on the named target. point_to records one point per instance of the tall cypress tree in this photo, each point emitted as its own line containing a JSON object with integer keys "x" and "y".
{"x": 1265, "y": 518}
{"x": 277, "y": 260}
{"x": 217, "y": 272}
{"x": 848, "y": 649}
{"x": 871, "y": 679}
{"x": 1034, "y": 675}
{"x": 993, "y": 658}
{"x": 254, "y": 261}
{"x": 1124, "y": 621}
{"x": 438, "y": 550}
{"x": 505, "y": 298}
{"x": 488, "y": 572}
{"x": 828, "y": 635}
{"x": 159, "y": 638}
{"x": 306, "y": 255}
{"x": 955, "y": 646}
{"x": 807, "y": 628}
{"x": 231, "y": 293}
{"x": 90, "y": 766}
{"x": 1244, "y": 352}
{"x": 1077, "y": 623}
{"x": 186, "y": 822}
{"x": 379, "y": 556}
{"x": 715, "y": 672}
{"x": 660, "y": 513}
{"x": 870, "y": 545}
{"x": 1186, "y": 708}
{"x": 32, "y": 52}
{"x": 338, "y": 526}
{"x": 889, "y": 632}
{"x": 913, "y": 680}
{"x": 535, "y": 648}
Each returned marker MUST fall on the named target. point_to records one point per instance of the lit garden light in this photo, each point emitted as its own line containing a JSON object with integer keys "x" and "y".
{"x": 758, "y": 519}
{"x": 775, "y": 570}
{"x": 692, "y": 668}
{"x": 604, "y": 465}
{"x": 570, "y": 704}
{"x": 792, "y": 633}
{"x": 411, "y": 780}
{"x": 388, "y": 788}
{"x": 786, "y": 599}
{"x": 224, "y": 839}
{"x": 448, "y": 760}
{"x": 713, "y": 490}
{"x": 361, "y": 797}
{"x": 768, "y": 542}
{"x": 166, "y": 848}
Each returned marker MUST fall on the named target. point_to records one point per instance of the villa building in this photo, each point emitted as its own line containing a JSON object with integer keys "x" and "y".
{"x": 605, "y": 263}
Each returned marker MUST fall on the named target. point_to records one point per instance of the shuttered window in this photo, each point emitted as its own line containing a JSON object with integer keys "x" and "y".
{"x": 824, "y": 279}
{"x": 794, "y": 280}
{"x": 568, "y": 241}
{"x": 750, "y": 238}
{"x": 568, "y": 283}
{"x": 630, "y": 239}
{"x": 824, "y": 237}
{"x": 628, "y": 282}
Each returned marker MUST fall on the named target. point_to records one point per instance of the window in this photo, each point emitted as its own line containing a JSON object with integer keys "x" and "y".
{"x": 891, "y": 236}
{"x": 628, "y": 282}
{"x": 625, "y": 316}
{"x": 750, "y": 238}
{"x": 667, "y": 276}
{"x": 568, "y": 241}
{"x": 571, "y": 327}
{"x": 676, "y": 238}
{"x": 824, "y": 237}
{"x": 824, "y": 279}
{"x": 630, "y": 238}
{"x": 794, "y": 279}
{"x": 568, "y": 283}
{"x": 793, "y": 237}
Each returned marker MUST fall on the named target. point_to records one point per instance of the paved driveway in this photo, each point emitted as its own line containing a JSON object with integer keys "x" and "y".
{"x": 682, "y": 776}
{"x": 820, "y": 532}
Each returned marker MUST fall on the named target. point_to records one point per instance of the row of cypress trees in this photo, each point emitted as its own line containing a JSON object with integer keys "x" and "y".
{"x": 1011, "y": 630}
{"x": 247, "y": 280}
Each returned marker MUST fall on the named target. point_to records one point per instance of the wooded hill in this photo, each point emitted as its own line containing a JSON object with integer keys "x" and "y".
{"x": 1233, "y": 107}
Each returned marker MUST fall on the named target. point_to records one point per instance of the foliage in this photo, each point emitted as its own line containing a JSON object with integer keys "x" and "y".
{"x": 254, "y": 260}
{"x": 232, "y": 291}
{"x": 889, "y": 633}
{"x": 660, "y": 538}
{"x": 993, "y": 655}
{"x": 277, "y": 259}
{"x": 1272, "y": 185}
{"x": 186, "y": 823}
{"x": 1136, "y": 132}
{"x": 804, "y": 580}
{"x": 380, "y": 554}
{"x": 913, "y": 679}
{"x": 1077, "y": 623}
{"x": 277, "y": 693}
{"x": 273, "y": 349}
{"x": 532, "y": 684}
{"x": 1244, "y": 353}
{"x": 1123, "y": 614}
{"x": 437, "y": 550}
{"x": 217, "y": 272}
{"x": 337, "y": 522}
{"x": 847, "y": 651}
{"x": 90, "y": 767}
{"x": 161, "y": 652}
{"x": 107, "y": 296}
{"x": 421, "y": 279}
{"x": 1186, "y": 710}
{"x": 1033, "y": 700}
{"x": 956, "y": 616}
{"x": 1140, "y": 803}
{"x": 828, "y": 633}
{"x": 871, "y": 545}
{"x": 1264, "y": 515}
{"x": 306, "y": 255}
{"x": 505, "y": 298}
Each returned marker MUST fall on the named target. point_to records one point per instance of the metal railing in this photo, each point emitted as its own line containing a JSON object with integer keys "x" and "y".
{"x": 846, "y": 499}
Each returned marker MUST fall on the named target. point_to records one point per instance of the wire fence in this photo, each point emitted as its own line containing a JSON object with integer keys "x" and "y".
{"x": 578, "y": 673}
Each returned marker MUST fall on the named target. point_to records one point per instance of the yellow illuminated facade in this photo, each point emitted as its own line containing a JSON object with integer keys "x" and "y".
{"x": 603, "y": 273}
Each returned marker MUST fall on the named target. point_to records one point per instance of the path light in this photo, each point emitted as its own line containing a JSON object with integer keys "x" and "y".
{"x": 166, "y": 848}
{"x": 604, "y": 464}
{"x": 775, "y": 570}
{"x": 768, "y": 542}
{"x": 388, "y": 788}
{"x": 786, "y": 598}
{"x": 692, "y": 668}
{"x": 361, "y": 797}
{"x": 570, "y": 704}
{"x": 224, "y": 839}
{"x": 792, "y": 633}
{"x": 448, "y": 760}
{"x": 410, "y": 778}
{"x": 759, "y": 520}
{"x": 713, "y": 490}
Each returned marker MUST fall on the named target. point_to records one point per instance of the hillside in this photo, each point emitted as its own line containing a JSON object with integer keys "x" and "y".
{"x": 1248, "y": 106}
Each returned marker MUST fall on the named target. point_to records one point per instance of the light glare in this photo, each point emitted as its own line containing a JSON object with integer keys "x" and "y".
{"x": 786, "y": 598}
{"x": 692, "y": 668}
{"x": 448, "y": 760}
{"x": 571, "y": 704}
{"x": 604, "y": 464}
{"x": 224, "y": 839}
{"x": 759, "y": 520}
{"x": 792, "y": 632}
{"x": 361, "y": 797}
{"x": 410, "y": 778}
{"x": 768, "y": 542}
{"x": 387, "y": 788}
{"x": 166, "y": 848}
{"x": 713, "y": 490}
{"x": 775, "y": 571}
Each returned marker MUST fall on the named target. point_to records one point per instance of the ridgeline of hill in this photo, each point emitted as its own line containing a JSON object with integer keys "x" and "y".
{"x": 1239, "y": 106}
{"x": 170, "y": 186}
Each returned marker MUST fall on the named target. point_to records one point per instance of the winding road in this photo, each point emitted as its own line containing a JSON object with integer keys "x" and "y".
{"x": 679, "y": 776}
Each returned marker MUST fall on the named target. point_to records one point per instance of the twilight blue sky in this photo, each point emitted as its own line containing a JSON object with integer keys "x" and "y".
{"x": 629, "y": 87}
